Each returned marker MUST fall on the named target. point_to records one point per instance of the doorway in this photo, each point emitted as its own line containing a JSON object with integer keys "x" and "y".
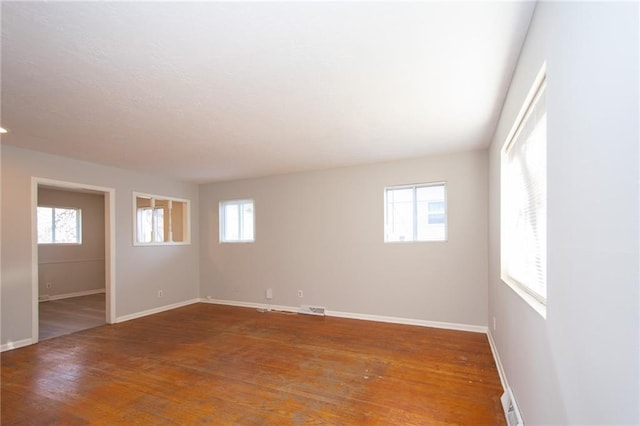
{"x": 73, "y": 257}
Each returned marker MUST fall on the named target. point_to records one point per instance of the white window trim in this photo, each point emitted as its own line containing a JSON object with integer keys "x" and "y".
{"x": 537, "y": 303}
{"x": 78, "y": 224}
{"x": 221, "y": 215}
{"x": 415, "y": 186}
{"x": 187, "y": 240}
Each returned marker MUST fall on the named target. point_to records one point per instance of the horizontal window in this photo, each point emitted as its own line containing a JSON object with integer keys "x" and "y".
{"x": 58, "y": 225}
{"x": 161, "y": 220}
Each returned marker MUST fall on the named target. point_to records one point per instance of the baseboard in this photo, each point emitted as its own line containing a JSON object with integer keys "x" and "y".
{"x": 46, "y": 297}
{"x": 155, "y": 310}
{"x": 505, "y": 383}
{"x": 496, "y": 357}
{"x": 409, "y": 321}
{"x": 364, "y": 317}
{"x": 239, "y": 304}
{"x": 15, "y": 345}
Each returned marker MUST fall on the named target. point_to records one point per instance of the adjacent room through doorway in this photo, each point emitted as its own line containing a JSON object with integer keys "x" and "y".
{"x": 71, "y": 260}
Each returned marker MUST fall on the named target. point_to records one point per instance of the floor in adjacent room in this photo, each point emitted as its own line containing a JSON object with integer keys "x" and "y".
{"x": 214, "y": 364}
{"x": 64, "y": 316}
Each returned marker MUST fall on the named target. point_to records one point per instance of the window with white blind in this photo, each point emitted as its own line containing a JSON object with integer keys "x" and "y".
{"x": 523, "y": 200}
{"x": 415, "y": 213}
{"x": 237, "y": 221}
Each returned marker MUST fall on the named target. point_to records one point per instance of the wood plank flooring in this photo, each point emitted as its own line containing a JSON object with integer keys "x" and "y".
{"x": 212, "y": 364}
{"x": 64, "y": 316}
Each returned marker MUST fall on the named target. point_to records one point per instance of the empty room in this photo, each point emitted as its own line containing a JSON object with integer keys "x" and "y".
{"x": 390, "y": 213}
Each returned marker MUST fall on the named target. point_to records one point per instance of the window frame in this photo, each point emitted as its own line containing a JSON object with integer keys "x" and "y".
{"x": 414, "y": 206}
{"x": 530, "y": 296}
{"x": 78, "y": 211}
{"x": 223, "y": 219}
{"x": 186, "y": 220}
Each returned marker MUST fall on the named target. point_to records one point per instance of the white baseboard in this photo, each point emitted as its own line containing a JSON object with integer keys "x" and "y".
{"x": 505, "y": 383}
{"x": 15, "y": 345}
{"x": 46, "y": 297}
{"x": 250, "y": 305}
{"x": 496, "y": 357}
{"x": 365, "y": 317}
{"x": 156, "y": 310}
{"x": 410, "y": 321}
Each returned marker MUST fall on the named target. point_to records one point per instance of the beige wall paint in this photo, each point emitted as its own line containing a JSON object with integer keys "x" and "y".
{"x": 579, "y": 365}
{"x": 322, "y": 232}
{"x": 139, "y": 271}
{"x": 74, "y": 268}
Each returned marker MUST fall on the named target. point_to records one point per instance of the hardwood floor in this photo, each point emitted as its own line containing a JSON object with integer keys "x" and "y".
{"x": 64, "y": 316}
{"x": 212, "y": 364}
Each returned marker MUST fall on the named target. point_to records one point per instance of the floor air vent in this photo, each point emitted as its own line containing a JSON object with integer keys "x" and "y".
{"x": 510, "y": 408}
{"x": 311, "y": 310}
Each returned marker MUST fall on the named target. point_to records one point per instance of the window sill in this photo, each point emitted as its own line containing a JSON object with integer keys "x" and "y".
{"x": 534, "y": 303}
{"x": 415, "y": 242}
{"x": 136, "y": 244}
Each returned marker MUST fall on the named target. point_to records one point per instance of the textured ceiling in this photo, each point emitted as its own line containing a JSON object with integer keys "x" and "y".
{"x": 217, "y": 91}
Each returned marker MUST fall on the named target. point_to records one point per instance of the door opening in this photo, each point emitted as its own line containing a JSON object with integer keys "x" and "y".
{"x": 73, "y": 257}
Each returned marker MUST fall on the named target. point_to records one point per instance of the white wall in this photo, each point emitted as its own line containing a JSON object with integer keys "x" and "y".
{"x": 580, "y": 365}
{"x": 140, "y": 271}
{"x": 74, "y": 268}
{"x": 322, "y": 232}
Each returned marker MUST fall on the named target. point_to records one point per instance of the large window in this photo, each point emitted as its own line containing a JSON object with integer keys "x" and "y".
{"x": 57, "y": 225}
{"x": 415, "y": 213}
{"x": 237, "y": 221}
{"x": 160, "y": 220}
{"x": 523, "y": 200}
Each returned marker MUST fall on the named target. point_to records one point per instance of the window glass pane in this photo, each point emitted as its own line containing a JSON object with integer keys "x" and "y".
{"x": 66, "y": 225}
{"x": 231, "y": 222}
{"x": 431, "y": 215}
{"x": 435, "y": 212}
{"x": 178, "y": 217}
{"x": 158, "y": 225}
{"x": 400, "y": 214}
{"x": 45, "y": 225}
{"x": 144, "y": 225}
{"x": 247, "y": 222}
{"x": 161, "y": 231}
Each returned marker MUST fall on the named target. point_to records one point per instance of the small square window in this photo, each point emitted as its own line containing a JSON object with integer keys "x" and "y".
{"x": 415, "y": 213}
{"x": 237, "y": 220}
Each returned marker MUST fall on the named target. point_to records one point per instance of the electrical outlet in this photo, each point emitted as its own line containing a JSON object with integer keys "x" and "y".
{"x": 494, "y": 323}
{"x": 48, "y": 285}
{"x": 300, "y": 294}
{"x": 268, "y": 293}
{"x": 160, "y": 293}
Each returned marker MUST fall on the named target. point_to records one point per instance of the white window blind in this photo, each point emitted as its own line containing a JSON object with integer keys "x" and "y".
{"x": 524, "y": 200}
